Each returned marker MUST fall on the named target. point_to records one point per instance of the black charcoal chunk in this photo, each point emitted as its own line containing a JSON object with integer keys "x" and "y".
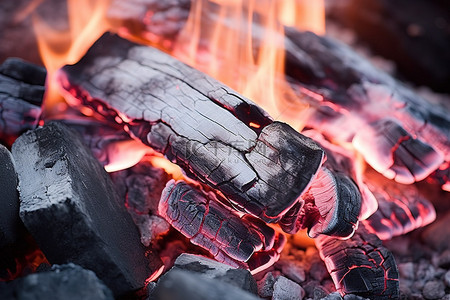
{"x": 70, "y": 206}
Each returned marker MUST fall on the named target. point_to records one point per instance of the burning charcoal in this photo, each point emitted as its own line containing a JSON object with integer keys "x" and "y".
{"x": 180, "y": 285}
{"x": 360, "y": 265}
{"x": 401, "y": 208}
{"x": 331, "y": 206}
{"x": 399, "y": 133}
{"x": 68, "y": 282}
{"x": 216, "y": 135}
{"x": 240, "y": 242}
{"x": 70, "y": 206}
{"x": 215, "y": 270}
{"x": 21, "y": 93}
{"x": 141, "y": 186}
{"x": 441, "y": 176}
{"x": 10, "y": 223}
{"x": 285, "y": 289}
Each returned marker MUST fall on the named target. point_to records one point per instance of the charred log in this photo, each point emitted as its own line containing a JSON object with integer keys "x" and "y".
{"x": 21, "y": 93}
{"x": 368, "y": 107}
{"x": 70, "y": 206}
{"x": 216, "y": 135}
{"x": 360, "y": 265}
{"x": 240, "y": 242}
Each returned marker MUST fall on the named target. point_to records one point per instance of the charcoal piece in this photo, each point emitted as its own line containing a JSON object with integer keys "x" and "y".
{"x": 441, "y": 176}
{"x": 360, "y": 265}
{"x": 68, "y": 282}
{"x": 21, "y": 94}
{"x": 10, "y": 224}
{"x": 70, "y": 206}
{"x": 212, "y": 132}
{"x": 209, "y": 268}
{"x": 220, "y": 230}
{"x": 141, "y": 187}
{"x": 413, "y": 34}
{"x": 330, "y": 206}
{"x": 352, "y": 98}
{"x": 401, "y": 208}
{"x": 180, "y": 285}
{"x": 285, "y": 289}
{"x": 265, "y": 285}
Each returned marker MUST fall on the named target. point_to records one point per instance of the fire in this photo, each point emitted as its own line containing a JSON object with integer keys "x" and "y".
{"x": 86, "y": 23}
{"x": 245, "y": 47}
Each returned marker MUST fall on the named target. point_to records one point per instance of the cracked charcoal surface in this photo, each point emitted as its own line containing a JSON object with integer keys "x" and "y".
{"x": 197, "y": 123}
{"x": 21, "y": 94}
{"x": 214, "y": 227}
{"x": 360, "y": 265}
{"x": 69, "y": 205}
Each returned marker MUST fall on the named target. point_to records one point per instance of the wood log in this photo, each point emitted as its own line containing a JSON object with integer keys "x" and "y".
{"x": 70, "y": 206}
{"x": 240, "y": 242}
{"x": 360, "y": 265}
{"x": 216, "y": 135}
{"x": 358, "y": 103}
{"x": 21, "y": 94}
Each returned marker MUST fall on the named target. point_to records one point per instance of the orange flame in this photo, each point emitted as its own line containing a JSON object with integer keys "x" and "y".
{"x": 86, "y": 23}
{"x": 240, "y": 43}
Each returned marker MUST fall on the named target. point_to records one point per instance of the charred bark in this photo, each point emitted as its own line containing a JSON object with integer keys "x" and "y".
{"x": 216, "y": 135}
{"x": 360, "y": 265}
{"x": 21, "y": 94}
